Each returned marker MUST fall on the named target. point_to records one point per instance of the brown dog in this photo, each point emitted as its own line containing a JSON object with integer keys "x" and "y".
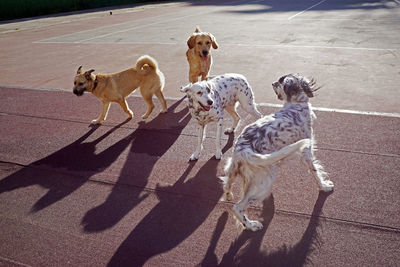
{"x": 198, "y": 54}
{"x": 118, "y": 86}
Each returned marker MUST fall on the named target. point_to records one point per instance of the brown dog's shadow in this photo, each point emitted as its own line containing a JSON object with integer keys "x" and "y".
{"x": 66, "y": 170}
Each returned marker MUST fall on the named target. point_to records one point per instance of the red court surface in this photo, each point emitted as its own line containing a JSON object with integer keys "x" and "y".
{"x": 124, "y": 193}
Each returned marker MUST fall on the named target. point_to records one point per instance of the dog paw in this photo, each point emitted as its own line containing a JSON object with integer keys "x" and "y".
{"x": 327, "y": 186}
{"x": 163, "y": 111}
{"x": 218, "y": 155}
{"x": 96, "y": 122}
{"x": 145, "y": 116}
{"x": 229, "y": 130}
{"x": 254, "y": 225}
{"x": 228, "y": 196}
{"x": 194, "y": 156}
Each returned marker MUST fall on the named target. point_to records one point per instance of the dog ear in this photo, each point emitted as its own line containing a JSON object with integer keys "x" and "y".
{"x": 290, "y": 90}
{"x": 309, "y": 87}
{"x": 191, "y": 41}
{"x": 79, "y": 71}
{"x": 88, "y": 74}
{"x": 213, "y": 41}
{"x": 185, "y": 89}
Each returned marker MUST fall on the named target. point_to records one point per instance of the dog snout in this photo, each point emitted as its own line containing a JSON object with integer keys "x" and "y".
{"x": 210, "y": 102}
{"x": 205, "y": 52}
{"x": 275, "y": 84}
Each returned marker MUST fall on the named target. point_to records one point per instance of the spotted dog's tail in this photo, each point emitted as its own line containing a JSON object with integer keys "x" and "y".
{"x": 263, "y": 160}
{"x": 146, "y": 64}
{"x": 246, "y": 158}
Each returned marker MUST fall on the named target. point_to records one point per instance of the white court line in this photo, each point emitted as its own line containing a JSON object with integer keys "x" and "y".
{"x": 345, "y": 111}
{"x": 306, "y": 10}
{"x": 231, "y": 44}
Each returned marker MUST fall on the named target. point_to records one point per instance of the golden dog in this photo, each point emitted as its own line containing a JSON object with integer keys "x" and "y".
{"x": 198, "y": 54}
{"x": 116, "y": 87}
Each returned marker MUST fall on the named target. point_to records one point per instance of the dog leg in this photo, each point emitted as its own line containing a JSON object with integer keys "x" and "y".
{"x": 317, "y": 170}
{"x": 125, "y": 107}
{"x": 193, "y": 78}
{"x": 258, "y": 188}
{"x": 104, "y": 111}
{"x": 149, "y": 101}
{"x": 196, "y": 154}
{"x": 236, "y": 118}
{"x": 204, "y": 76}
{"x": 250, "y": 107}
{"x": 218, "y": 152}
{"x": 161, "y": 98}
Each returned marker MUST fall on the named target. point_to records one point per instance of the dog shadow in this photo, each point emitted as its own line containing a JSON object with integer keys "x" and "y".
{"x": 297, "y": 255}
{"x": 146, "y": 148}
{"x": 177, "y": 215}
{"x": 80, "y": 160}
{"x": 77, "y": 157}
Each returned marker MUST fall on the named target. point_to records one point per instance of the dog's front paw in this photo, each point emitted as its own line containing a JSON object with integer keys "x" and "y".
{"x": 229, "y": 130}
{"x": 163, "y": 111}
{"x": 327, "y": 186}
{"x": 130, "y": 114}
{"x": 97, "y": 121}
{"x": 254, "y": 225}
{"x": 195, "y": 156}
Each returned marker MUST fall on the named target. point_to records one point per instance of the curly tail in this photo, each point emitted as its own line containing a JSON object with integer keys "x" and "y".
{"x": 146, "y": 64}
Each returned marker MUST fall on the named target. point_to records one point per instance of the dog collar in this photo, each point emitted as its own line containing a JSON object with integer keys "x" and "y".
{"x": 95, "y": 83}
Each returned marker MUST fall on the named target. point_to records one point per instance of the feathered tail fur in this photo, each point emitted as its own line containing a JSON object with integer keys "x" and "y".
{"x": 255, "y": 160}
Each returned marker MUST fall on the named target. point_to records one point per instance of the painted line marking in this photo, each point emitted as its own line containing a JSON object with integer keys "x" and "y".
{"x": 271, "y": 105}
{"x": 306, "y": 9}
{"x": 227, "y": 44}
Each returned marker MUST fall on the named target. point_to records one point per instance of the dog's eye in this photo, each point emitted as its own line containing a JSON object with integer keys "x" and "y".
{"x": 200, "y": 93}
{"x": 281, "y": 79}
{"x": 81, "y": 83}
{"x": 199, "y": 43}
{"x": 208, "y": 42}
{"x": 208, "y": 90}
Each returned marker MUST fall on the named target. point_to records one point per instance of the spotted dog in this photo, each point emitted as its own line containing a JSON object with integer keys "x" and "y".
{"x": 264, "y": 143}
{"x": 208, "y": 99}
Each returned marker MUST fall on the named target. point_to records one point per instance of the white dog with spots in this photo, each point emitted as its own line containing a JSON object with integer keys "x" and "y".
{"x": 263, "y": 144}
{"x": 208, "y": 99}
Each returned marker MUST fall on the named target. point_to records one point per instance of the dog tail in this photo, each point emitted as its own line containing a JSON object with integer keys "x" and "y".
{"x": 263, "y": 160}
{"x": 146, "y": 64}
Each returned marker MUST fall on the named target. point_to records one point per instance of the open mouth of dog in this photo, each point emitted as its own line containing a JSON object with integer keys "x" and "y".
{"x": 79, "y": 92}
{"x": 206, "y": 108}
{"x": 203, "y": 57}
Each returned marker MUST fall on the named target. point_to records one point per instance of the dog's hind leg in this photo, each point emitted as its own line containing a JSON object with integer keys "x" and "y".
{"x": 104, "y": 111}
{"x": 125, "y": 107}
{"x": 236, "y": 118}
{"x": 250, "y": 107}
{"x": 148, "y": 98}
{"x": 161, "y": 98}
{"x": 218, "y": 151}
{"x": 258, "y": 188}
{"x": 196, "y": 154}
{"x": 317, "y": 170}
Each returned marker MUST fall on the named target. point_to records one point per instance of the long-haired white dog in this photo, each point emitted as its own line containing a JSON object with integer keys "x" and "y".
{"x": 271, "y": 139}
